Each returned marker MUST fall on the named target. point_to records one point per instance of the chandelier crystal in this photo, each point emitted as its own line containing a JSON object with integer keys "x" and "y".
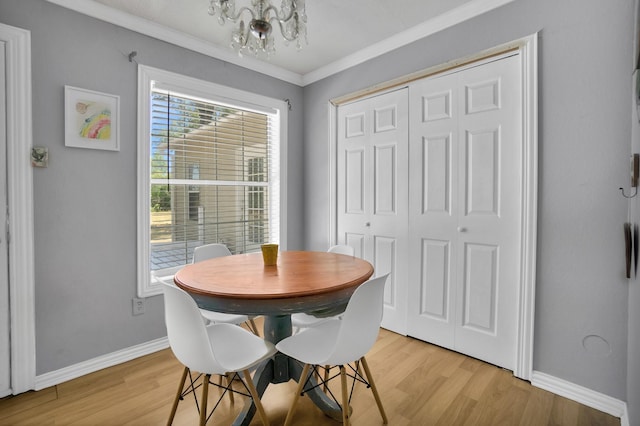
{"x": 254, "y": 35}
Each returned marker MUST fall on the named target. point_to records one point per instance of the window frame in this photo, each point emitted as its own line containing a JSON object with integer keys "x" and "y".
{"x": 148, "y": 284}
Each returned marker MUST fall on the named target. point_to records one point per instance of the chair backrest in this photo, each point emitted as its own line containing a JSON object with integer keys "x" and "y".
{"x": 342, "y": 249}
{"x": 186, "y": 331}
{"x": 209, "y": 251}
{"x": 360, "y": 322}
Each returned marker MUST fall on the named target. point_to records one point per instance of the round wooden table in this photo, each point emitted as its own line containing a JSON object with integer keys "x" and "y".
{"x": 320, "y": 283}
{"x": 302, "y": 281}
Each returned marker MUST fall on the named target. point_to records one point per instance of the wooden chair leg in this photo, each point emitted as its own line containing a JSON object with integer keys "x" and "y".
{"x": 345, "y": 396}
{"x": 174, "y": 408}
{"x": 203, "y": 403}
{"x": 292, "y": 408}
{"x": 373, "y": 389}
{"x": 256, "y": 398}
{"x": 253, "y": 327}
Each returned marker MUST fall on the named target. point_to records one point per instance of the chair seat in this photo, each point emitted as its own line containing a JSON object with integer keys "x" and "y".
{"x": 302, "y": 320}
{"x": 222, "y": 318}
{"x": 246, "y": 351}
{"x": 313, "y": 346}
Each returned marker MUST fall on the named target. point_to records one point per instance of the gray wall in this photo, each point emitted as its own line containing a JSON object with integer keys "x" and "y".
{"x": 584, "y": 132}
{"x": 85, "y": 201}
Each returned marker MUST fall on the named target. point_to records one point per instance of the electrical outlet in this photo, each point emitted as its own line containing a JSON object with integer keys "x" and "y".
{"x": 138, "y": 306}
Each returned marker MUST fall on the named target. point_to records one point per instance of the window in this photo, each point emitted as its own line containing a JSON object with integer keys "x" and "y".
{"x": 209, "y": 171}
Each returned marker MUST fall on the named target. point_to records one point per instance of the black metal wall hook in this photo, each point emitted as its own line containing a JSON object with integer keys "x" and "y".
{"x": 629, "y": 196}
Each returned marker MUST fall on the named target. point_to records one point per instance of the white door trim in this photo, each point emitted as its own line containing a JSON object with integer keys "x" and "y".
{"x": 528, "y": 48}
{"x": 526, "y": 308}
{"x": 20, "y": 200}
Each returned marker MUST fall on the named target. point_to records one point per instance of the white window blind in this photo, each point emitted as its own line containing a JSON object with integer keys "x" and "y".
{"x": 212, "y": 177}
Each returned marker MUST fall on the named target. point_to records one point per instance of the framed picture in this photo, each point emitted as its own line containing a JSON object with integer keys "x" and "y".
{"x": 91, "y": 119}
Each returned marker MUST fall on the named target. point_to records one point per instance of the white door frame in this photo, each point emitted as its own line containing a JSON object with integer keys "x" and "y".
{"x": 20, "y": 199}
{"x": 528, "y": 49}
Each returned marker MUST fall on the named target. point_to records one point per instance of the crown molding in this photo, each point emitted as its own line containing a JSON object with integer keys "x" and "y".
{"x": 160, "y": 32}
{"x": 178, "y": 38}
{"x": 453, "y": 17}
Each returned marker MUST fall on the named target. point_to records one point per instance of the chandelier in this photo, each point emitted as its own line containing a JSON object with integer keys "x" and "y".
{"x": 256, "y": 36}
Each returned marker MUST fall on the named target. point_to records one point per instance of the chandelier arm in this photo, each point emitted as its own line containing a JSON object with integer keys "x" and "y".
{"x": 277, "y": 15}
{"x": 282, "y": 31}
{"x": 245, "y": 39}
{"x": 237, "y": 16}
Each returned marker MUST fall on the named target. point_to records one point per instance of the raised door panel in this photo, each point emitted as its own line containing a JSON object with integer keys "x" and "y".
{"x": 385, "y": 174}
{"x": 354, "y": 181}
{"x": 435, "y": 283}
{"x": 354, "y": 125}
{"x": 356, "y": 241}
{"x": 436, "y": 183}
{"x": 436, "y": 291}
{"x": 482, "y": 172}
{"x": 385, "y": 259}
{"x": 482, "y": 96}
{"x": 436, "y": 105}
{"x": 385, "y": 118}
{"x": 480, "y": 288}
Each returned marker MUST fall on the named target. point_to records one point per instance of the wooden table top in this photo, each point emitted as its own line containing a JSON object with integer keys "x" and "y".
{"x": 298, "y": 274}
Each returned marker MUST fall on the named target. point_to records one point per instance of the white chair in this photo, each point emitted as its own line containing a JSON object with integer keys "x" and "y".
{"x": 301, "y": 320}
{"x": 341, "y": 342}
{"x": 210, "y": 251}
{"x": 214, "y": 349}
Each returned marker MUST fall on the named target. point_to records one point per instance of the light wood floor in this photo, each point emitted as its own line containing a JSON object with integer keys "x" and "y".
{"x": 420, "y": 384}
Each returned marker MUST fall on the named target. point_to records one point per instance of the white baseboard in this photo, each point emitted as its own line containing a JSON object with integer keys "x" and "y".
{"x": 74, "y": 371}
{"x": 583, "y": 395}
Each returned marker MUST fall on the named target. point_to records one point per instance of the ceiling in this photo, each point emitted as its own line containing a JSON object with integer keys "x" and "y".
{"x": 340, "y": 33}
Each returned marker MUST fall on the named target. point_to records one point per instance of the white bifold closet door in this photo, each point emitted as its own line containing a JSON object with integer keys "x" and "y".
{"x": 465, "y": 210}
{"x": 429, "y": 187}
{"x": 372, "y": 191}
